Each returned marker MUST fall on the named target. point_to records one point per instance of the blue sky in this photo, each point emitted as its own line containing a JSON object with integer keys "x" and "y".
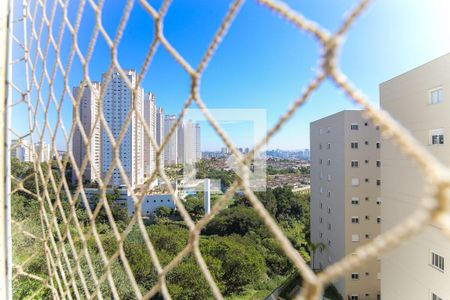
{"x": 263, "y": 62}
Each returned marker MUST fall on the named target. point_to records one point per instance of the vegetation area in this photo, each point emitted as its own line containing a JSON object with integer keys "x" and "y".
{"x": 244, "y": 259}
{"x": 291, "y": 170}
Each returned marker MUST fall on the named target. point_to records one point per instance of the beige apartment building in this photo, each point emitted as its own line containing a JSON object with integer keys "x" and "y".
{"x": 420, "y": 101}
{"x": 345, "y": 196}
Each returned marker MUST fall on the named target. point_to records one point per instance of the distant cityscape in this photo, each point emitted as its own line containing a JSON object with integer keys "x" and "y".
{"x": 277, "y": 153}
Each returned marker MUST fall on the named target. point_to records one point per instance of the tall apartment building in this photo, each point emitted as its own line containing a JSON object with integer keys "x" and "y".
{"x": 345, "y": 196}
{"x": 160, "y": 130}
{"x": 150, "y": 120}
{"x": 118, "y": 101}
{"x": 198, "y": 144}
{"x": 88, "y": 110}
{"x": 21, "y": 150}
{"x": 42, "y": 152}
{"x": 190, "y": 135}
{"x": 420, "y": 101}
{"x": 181, "y": 142}
{"x": 171, "y": 147}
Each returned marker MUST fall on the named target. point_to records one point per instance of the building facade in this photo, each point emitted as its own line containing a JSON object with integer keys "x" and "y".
{"x": 189, "y": 142}
{"x": 42, "y": 152}
{"x": 88, "y": 109}
{"x": 21, "y": 150}
{"x": 198, "y": 143}
{"x": 118, "y": 101}
{"x": 150, "y": 120}
{"x": 160, "y": 131}
{"x": 345, "y": 197}
{"x": 171, "y": 147}
{"x": 419, "y": 100}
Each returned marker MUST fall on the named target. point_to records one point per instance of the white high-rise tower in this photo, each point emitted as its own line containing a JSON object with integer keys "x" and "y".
{"x": 118, "y": 101}
{"x": 160, "y": 130}
{"x": 150, "y": 120}
{"x": 171, "y": 148}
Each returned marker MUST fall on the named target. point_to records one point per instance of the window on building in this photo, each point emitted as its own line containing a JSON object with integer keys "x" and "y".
{"x": 378, "y": 145}
{"x": 321, "y": 220}
{"x": 354, "y": 297}
{"x": 435, "y": 297}
{"x": 367, "y": 236}
{"x": 329, "y": 162}
{"x": 366, "y": 180}
{"x": 329, "y": 194}
{"x": 365, "y": 124}
{"x": 354, "y": 126}
{"x": 378, "y": 200}
{"x": 366, "y": 142}
{"x": 355, "y": 220}
{"x": 355, "y": 238}
{"x": 320, "y": 161}
{"x": 328, "y": 129}
{"x": 320, "y": 131}
{"x": 378, "y": 219}
{"x": 355, "y": 276}
{"x": 328, "y": 146}
{"x": 354, "y": 145}
{"x": 320, "y": 146}
{"x": 355, "y": 181}
{"x": 355, "y": 163}
{"x": 367, "y": 217}
{"x": 329, "y": 177}
{"x": 366, "y": 161}
{"x": 329, "y": 226}
{"x": 378, "y": 163}
{"x": 437, "y": 136}
{"x": 378, "y": 182}
{"x": 321, "y": 190}
{"x": 437, "y": 261}
{"x": 436, "y": 96}
{"x": 355, "y": 200}
{"x": 329, "y": 210}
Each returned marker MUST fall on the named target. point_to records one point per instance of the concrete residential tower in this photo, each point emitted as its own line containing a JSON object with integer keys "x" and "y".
{"x": 88, "y": 110}
{"x": 21, "y": 150}
{"x": 160, "y": 130}
{"x": 150, "y": 120}
{"x": 345, "y": 196}
{"x": 118, "y": 101}
{"x": 420, "y": 101}
{"x": 171, "y": 147}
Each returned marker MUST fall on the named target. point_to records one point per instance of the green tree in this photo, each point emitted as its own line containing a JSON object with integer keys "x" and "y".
{"x": 242, "y": 264}
{"x": 163, "y": 212}
{"x": 238, "y": 219}
{"x": 313, "y": 247}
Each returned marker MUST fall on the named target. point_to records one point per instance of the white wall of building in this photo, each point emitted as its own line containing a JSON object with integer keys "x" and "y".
{"x": 151, "y": 202}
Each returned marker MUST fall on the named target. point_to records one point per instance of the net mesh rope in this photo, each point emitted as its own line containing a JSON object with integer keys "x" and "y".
{"x": 36, "y": 33}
